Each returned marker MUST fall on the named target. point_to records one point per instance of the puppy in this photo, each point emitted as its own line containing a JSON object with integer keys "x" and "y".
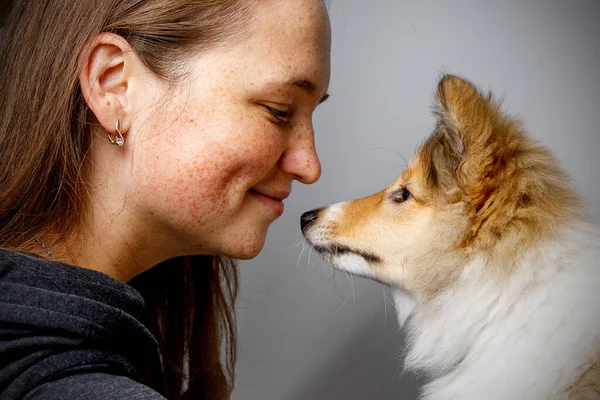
{"x": 495, "y": 272}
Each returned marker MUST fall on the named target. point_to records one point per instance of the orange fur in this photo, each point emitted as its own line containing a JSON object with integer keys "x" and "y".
{"x": 480, "y": 188}
{"x": 509, "y": 190}
{"x": 510, "y": 184}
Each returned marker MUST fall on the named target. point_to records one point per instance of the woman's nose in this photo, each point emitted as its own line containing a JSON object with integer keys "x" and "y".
{"x": 301, "y": 161}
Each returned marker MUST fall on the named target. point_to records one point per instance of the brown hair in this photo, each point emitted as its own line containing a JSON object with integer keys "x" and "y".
{"x": 45, "y": 138}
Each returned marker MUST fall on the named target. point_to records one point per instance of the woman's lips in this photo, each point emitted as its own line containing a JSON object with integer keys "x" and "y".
{"x": 272, "y": 199}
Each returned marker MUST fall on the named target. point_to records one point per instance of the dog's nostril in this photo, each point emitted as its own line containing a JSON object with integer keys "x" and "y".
{"x": 308, "y": 218}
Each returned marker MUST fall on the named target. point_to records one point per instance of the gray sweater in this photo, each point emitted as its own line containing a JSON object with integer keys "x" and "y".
{"x": 72, "y": 333}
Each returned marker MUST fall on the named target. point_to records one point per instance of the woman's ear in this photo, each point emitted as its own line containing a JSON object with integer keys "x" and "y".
{"x": 105, "y": 79}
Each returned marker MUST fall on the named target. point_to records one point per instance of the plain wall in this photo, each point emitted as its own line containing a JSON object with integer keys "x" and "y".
{"x": 306, "y": 332}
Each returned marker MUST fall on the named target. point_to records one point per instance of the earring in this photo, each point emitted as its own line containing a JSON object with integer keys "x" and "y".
{"x": 119, "y": 140}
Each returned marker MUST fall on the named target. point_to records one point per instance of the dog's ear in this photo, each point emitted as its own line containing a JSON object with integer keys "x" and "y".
{"x": 474, "y": 138}
{"x": 465, "y": 117}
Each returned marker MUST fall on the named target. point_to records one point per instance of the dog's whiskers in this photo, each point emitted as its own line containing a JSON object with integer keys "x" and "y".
{"x": 348, "y": 276}
{"x": 308, "y": 259}
{"x": 345, "y": 301}
{"x": 387, "y": 299}
{"x": 384, "y": 308}
{"x": 301, "y": 252}
{"x": 297, "y": 243}
{"x": 315, "y": 259}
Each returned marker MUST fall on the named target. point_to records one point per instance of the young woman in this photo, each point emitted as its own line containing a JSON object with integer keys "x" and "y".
{"x": 143, "y": 145}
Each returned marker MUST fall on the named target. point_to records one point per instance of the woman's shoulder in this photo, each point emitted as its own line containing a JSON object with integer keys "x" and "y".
{"x": 94, "y": 386}
{"x": 15, "y": 265}
{"x": 30, "y": 272}
{"x": 63, "y": 328}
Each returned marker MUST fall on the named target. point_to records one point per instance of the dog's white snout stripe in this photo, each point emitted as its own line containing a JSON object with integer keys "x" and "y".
{"x": 333, "y": 211}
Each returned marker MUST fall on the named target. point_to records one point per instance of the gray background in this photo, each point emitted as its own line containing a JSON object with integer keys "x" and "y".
{"x": 306, "y": 332}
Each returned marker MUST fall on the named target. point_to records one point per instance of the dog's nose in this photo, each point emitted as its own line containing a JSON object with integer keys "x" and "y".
{"x": 308, "y": 218}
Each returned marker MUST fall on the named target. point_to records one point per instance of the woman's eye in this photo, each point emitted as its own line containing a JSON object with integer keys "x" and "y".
{"x": 280, "y": 116}
{"x": 400, "y": 196}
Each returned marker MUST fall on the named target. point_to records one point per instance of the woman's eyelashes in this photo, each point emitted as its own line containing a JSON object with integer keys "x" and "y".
{"x": 279, "y": 116}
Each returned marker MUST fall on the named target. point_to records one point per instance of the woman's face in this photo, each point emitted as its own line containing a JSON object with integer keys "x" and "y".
{"x": 214, "y": 158}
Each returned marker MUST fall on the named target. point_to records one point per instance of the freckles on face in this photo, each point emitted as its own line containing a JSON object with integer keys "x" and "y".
{"x": 216, "y": 136}
{"x": 214, "y": 160}
{"x": 290, "y": 39}
{"x": 213, "y": 150}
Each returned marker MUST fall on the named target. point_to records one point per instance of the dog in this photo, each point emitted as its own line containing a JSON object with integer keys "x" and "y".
{"x": 494, "y": 270}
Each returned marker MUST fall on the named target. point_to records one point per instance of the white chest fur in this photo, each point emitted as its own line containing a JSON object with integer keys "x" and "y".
{"x": 528, "y": 338}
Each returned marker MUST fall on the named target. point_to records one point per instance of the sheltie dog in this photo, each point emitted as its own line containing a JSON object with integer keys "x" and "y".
{"x": 494, "y": 270}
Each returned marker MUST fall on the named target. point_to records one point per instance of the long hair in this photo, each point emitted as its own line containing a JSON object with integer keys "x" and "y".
{"x": 189, "y": 302}
{"x": 45, "y": 140}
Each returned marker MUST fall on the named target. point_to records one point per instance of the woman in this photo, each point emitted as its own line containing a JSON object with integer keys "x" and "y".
{"x": 143, "y": 145}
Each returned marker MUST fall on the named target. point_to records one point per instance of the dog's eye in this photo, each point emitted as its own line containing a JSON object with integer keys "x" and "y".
{"x": 400, "y": 196}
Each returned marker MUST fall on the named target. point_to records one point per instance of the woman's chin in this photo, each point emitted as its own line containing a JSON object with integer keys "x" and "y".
{"x": 245, "y": 249}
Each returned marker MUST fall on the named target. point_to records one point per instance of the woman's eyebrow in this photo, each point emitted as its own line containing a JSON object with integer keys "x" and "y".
{"x": 304, "y": 84}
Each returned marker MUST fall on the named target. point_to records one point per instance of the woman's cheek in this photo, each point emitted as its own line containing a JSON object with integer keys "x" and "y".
{"x": 199, "y": 188}
{"x": 206, "y": 169}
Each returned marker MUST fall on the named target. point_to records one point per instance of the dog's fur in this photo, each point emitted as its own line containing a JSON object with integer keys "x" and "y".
{"x": 495, "y": 273}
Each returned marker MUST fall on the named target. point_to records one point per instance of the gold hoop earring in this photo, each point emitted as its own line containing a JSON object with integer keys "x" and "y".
{"x": 119, "y": 140}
